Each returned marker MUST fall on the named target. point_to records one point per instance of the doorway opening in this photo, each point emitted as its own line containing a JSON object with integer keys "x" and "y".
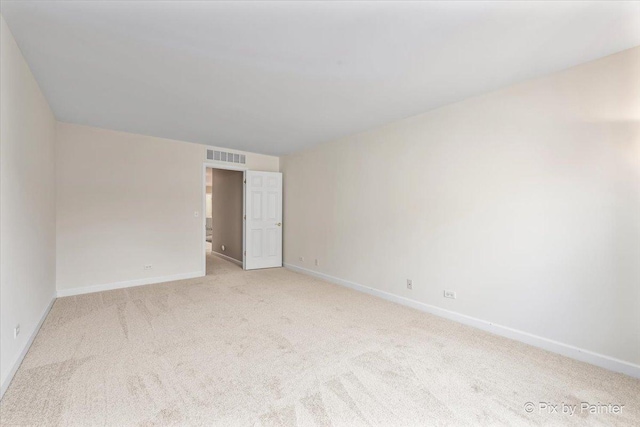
{"x": 224, "y": 205}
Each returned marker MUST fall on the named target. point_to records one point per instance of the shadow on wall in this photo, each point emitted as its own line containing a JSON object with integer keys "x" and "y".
{"x": 224, "y": 212}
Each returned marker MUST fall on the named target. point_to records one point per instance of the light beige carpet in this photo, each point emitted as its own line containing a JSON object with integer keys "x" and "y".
{"x": 276, "y": 348}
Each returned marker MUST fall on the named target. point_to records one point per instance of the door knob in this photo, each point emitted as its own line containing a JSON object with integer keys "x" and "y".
{"x": 279, "y": 224}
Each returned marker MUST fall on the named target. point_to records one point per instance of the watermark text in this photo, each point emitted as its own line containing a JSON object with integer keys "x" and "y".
{"x": 571, "y": 409}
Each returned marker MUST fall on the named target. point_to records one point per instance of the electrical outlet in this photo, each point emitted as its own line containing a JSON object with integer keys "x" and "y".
{"x": 317, "y": 262}
{"x": 409, "y": 284}
{"x": 450, "y": 294}
{"x": 147, "y": 267}
{"x": 16, "y": 331}
{"x": 301, "y": 258}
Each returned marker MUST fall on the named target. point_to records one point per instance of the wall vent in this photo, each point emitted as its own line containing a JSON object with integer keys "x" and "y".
{"x": 223, "y": 156}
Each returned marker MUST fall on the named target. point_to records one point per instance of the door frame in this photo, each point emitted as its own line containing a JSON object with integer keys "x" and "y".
{"x": 203, "y": 228}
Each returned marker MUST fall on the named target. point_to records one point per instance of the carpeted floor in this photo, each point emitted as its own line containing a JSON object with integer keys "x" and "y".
{"x": 273, "y": 347}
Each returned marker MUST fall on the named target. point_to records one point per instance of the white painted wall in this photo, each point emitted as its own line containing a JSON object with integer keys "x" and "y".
{"x": 126, "y": 201}
{"x": 525, "y": 201}
{"x": 27, "y": 205}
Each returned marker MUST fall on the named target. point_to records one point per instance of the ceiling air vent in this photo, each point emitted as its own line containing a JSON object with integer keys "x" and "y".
{"x": 223, "y": 156}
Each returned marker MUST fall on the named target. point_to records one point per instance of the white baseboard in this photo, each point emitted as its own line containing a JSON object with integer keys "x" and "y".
{"x": 567, "y": 350}
{"x": 228, "y": 258}
{"x": 23, "y": 353}
{"x": 126, "y": 284}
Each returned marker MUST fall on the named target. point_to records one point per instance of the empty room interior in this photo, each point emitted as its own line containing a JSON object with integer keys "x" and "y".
{"x": 224, "y": 198}
{"x": 319, "y": 213}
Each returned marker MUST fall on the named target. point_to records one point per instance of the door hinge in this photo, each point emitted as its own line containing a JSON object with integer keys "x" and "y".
{"x": 245, "y": 181}
{"x": 245, "y": 217}
{"x": 245, "y": 253}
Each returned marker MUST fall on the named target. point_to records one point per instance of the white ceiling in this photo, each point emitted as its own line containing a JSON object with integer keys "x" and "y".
{"x": 278, "y": 77}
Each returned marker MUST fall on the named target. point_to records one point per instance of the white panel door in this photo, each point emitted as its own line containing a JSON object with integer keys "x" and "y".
{"x": 263, "y": 220}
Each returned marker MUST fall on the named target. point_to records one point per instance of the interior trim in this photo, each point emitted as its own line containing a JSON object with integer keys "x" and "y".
{"x": 563, "y": 349}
